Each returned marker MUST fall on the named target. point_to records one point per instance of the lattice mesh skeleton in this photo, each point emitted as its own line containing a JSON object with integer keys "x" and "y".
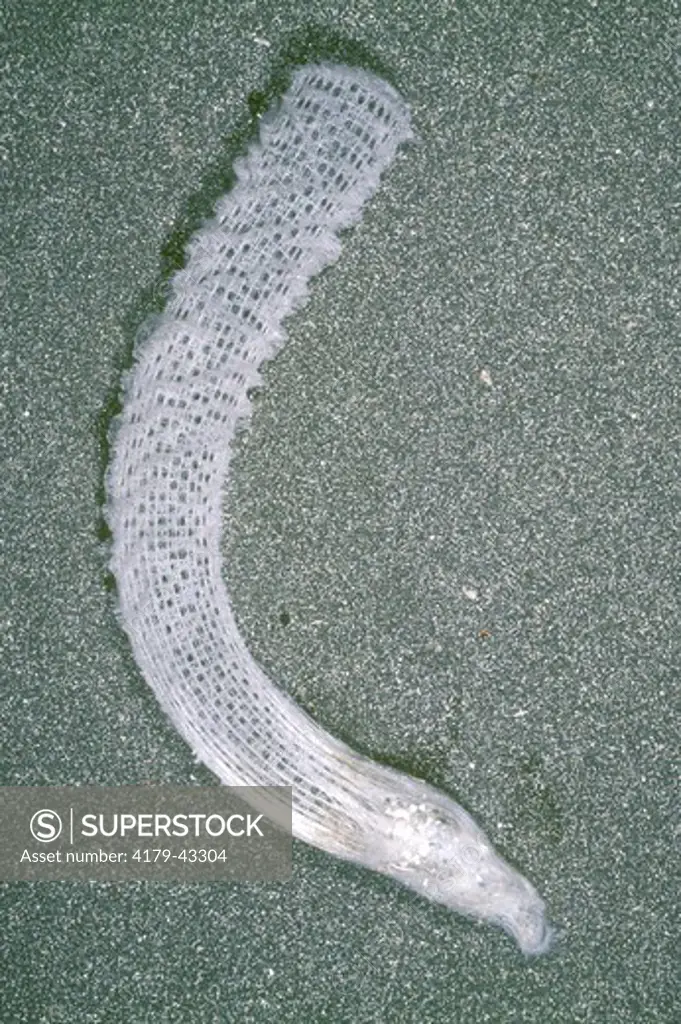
{"x": 320, "y": 157}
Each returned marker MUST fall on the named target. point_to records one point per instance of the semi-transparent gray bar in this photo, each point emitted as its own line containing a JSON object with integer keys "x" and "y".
{"x": 152, "y": 833}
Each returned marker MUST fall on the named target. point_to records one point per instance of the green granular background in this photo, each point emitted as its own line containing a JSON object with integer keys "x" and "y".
{"x": 453, "y": 527}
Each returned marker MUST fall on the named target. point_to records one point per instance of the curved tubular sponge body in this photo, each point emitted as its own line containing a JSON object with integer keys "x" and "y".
{"x": 319, "y": 159}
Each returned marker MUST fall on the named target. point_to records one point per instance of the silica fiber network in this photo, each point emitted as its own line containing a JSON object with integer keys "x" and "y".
{"x": 320, "y": 157}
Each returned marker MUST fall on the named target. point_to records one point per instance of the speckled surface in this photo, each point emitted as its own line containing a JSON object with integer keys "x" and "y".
{"x": 451, "y": 528}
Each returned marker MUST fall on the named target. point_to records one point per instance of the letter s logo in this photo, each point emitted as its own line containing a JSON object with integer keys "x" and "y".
{"x": 46, "y": 826}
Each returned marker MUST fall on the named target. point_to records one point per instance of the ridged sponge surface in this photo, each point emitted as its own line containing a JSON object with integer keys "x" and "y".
{"x": 319, "y": 158}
